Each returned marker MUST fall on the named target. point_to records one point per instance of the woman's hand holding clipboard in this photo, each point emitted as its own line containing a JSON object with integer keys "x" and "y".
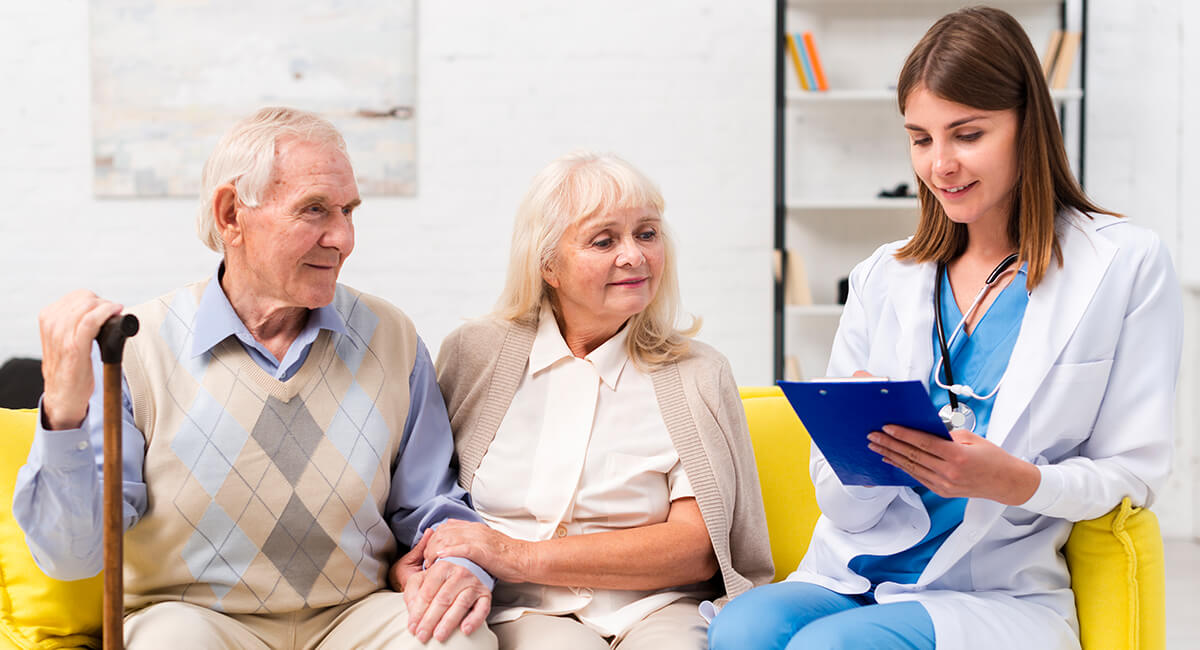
{"x": 878, "y": 432}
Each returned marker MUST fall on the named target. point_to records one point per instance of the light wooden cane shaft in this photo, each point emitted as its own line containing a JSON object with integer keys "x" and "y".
{"x": 114, "y": 507}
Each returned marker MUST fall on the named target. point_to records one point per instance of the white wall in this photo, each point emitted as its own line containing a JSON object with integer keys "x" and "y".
{"x": 681, "y": 87}
{"x": 1142, "y": 160}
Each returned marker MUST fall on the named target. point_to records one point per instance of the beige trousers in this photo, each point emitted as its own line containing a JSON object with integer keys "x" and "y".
{"x": 677, "y": 626}
{"x": 377, "y": 621}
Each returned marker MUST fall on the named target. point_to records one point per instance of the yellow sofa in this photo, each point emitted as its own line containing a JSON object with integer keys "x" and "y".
{"x": 1116, "y": 561}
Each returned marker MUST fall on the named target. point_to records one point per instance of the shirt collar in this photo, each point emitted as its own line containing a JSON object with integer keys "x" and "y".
{"x": 549, "y": 348}
{"x": 216, "y": 320}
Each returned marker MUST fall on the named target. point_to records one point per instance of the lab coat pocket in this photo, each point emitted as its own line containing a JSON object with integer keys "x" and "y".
{"x": 1064, "y": 409}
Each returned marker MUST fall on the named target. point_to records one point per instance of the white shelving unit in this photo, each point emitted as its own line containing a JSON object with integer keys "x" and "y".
{"x": 837, "y": 149}
{"x": 840, "y": 205}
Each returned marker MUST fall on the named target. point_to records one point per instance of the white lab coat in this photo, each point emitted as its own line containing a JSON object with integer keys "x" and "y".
{"x": 1088, "y": 397}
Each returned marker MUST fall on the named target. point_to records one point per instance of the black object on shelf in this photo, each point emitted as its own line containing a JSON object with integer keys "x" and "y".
{"x": 843, "y": 290}
{"x": 898, "y": 192}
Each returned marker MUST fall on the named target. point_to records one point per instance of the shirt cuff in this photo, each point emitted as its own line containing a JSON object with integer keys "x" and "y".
{"x": 63, "y": 448}
{"x": 1047, "y": 493}
{"x": 476, "y": 570}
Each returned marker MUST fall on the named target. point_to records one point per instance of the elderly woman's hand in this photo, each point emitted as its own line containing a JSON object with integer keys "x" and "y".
{"x": 502, "y": 556}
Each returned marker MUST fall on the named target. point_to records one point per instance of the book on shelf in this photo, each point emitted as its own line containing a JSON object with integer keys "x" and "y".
{"x": 791, "y": 368}
{"x": 811, "y": 78}
{"x": 1065, "y": 59}
{"x": 1051, "y": 52}
{"x": 802, "y": 48}
{"x": 796, "y": 290}
{"x": 1059, "y": 57}
{"x": 796, "y": 62}
{"x": 810, "y": 48}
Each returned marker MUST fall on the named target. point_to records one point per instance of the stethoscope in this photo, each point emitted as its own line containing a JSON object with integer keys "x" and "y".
{"x": 957, "y": 415}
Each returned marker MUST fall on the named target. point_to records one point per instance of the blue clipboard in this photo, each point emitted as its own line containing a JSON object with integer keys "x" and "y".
{"x": 840, "y": 414}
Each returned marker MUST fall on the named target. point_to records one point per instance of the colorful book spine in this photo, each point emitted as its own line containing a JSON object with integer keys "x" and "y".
{"x": 794, "y": 51}
{"x": 809, "y": 77}
{"x": 810, "y": 47}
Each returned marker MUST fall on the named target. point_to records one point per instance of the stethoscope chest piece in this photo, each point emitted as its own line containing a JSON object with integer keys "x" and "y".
{"x": 958, "y": 417}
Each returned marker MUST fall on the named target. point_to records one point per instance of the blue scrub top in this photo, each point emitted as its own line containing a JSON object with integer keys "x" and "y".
{"x": 979, "y": 361}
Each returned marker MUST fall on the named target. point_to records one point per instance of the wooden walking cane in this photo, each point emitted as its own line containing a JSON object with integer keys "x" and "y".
{"x": 112, "y": 344}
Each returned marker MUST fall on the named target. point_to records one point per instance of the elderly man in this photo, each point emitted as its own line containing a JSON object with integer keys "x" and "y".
{"x": 282, "y": 431}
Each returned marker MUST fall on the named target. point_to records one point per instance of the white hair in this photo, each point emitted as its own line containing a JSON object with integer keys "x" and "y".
{"x": 574, "y": 187}
{"x": 245, "y": 157}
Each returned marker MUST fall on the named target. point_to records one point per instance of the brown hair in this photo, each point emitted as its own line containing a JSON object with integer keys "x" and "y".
{"x": 982, "y": 58}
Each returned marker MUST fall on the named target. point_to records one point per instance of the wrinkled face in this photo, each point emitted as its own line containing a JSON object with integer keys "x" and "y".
{"x": 966, "y": 156}
{"x": 607, "y": 268}
{"x": 293, "y": 244}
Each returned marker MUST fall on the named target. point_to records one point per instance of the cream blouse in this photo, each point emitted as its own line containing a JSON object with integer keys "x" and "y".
{"x": 583, "y": 448}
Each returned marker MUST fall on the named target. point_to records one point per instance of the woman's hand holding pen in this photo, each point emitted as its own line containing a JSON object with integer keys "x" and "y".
{"x": 967, "y": 466}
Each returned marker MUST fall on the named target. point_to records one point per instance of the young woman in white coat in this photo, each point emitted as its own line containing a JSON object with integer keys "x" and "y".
{"x": 1062, "y": 326}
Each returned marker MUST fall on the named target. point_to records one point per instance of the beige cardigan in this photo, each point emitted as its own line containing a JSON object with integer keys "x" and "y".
{"x": 481, "y": 363}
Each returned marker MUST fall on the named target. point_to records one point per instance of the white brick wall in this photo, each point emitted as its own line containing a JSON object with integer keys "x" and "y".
{"x": 682, "y": 88}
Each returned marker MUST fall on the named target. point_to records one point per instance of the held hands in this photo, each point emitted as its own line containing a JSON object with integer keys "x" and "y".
{"x": 504, "y": 557}
{"x": 967, "y": 466}
{"x": 440, "y": 598}
{"x": 67, "y": 329}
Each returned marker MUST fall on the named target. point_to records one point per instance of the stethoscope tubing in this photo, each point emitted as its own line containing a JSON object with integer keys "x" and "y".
{"x": 950, "y": 386}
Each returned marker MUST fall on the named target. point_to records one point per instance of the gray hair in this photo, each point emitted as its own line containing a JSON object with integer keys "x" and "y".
{"x": 245, "y": 157}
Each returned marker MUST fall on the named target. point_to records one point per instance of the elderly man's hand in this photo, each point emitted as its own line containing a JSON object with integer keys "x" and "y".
{"x": 442, "y": 598}
{"x": 68, "y": 328}
{"x": 409, "y": 564}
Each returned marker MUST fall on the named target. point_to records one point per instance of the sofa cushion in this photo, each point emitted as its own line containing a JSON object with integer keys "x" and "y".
{"x": 781, "y": 448}
{"x": 36, "y": 611}
{"x": 1118, "y": 577}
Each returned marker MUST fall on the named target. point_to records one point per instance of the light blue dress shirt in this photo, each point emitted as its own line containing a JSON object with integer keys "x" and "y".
{"x": 58, "y": 499}
{"x": 978, "y": 360}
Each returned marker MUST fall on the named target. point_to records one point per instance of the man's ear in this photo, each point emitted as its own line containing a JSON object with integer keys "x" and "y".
{"x": 225, "y": 213}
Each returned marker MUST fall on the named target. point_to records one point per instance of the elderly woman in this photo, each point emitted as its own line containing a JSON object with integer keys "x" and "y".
{"x": 606, "y": 450}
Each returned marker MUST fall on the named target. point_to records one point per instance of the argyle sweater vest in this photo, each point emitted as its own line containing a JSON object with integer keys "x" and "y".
{"x": 266, "y": 496}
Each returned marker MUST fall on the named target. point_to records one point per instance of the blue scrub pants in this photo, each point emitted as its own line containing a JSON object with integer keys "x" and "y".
{"x": 798, "y": 615}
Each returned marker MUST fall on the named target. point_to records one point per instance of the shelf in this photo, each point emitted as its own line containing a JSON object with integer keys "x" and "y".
{"x": 814, "y": 311}
{"x": 952, "y": 3}
{"x": 874, "y": 205}
{"x": 803, "y": 97}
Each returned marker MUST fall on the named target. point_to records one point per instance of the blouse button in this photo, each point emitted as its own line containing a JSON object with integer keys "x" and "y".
{"x": 561, "y": 531}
